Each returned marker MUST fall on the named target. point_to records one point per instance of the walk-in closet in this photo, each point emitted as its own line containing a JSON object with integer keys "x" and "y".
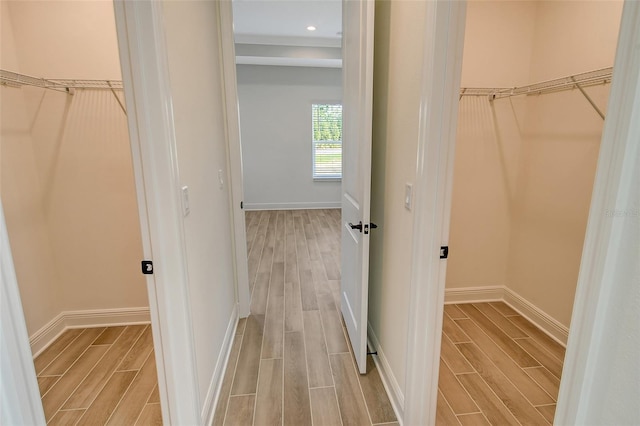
{"x": 535, "y": 83}
{"x": 69, "y": 200}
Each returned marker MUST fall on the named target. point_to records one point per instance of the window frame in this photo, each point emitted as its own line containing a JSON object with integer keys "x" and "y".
{"x": 324, "y": 178}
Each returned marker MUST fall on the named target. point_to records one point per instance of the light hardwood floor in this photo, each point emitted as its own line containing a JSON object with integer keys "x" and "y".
{"x": 98, "y": 376}
{"x": 290, "y": 362}
{"x": 496, "y": 368}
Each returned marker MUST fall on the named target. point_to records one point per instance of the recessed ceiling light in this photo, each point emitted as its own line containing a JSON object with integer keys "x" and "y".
{"x": 311, "y": 28}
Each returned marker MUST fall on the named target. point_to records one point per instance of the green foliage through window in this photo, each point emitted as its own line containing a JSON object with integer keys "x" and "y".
{"x": 327, "y": 140}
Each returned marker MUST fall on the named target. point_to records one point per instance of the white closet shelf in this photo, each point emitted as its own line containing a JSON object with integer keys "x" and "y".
{"x": 13, "y": 79}
{"x": 586, "y": 79}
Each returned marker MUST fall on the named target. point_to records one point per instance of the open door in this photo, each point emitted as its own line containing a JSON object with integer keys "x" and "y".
{"x": 357, "y": 100}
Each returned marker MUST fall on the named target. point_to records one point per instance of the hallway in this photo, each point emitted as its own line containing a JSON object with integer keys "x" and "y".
{"x": 290, "y": 362}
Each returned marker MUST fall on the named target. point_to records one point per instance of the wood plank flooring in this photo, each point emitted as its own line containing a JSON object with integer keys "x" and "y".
{"x": 496, "y": 368}
{"x": 291, "y": 363}
{"x": 99, "y": 376}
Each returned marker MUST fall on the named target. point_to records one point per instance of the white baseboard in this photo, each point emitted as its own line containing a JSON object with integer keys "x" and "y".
{"x": 389, "y": 381}
{"x": 47, "y": 334}
{"x": 293, "y": 206}
{"x": 213, "y": 393}
{"x": 42, "y": 338}
{"x": 541, "y": 319}
{"x": 473, "y": 294}
{"x": 538, "y": 317}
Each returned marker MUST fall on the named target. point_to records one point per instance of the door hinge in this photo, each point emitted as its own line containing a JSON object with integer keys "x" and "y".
{"x": 147, "y": 267}
{"x": 444, "y": 252}
{"x": 242, "y": 204}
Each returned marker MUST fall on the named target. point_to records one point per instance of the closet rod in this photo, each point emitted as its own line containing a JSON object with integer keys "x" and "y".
{"x": 14, "y": 79}
{"x": 586, "y": 79}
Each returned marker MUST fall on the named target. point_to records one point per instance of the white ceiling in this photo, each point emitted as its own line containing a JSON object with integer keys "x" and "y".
{"x": 257, "y": 21}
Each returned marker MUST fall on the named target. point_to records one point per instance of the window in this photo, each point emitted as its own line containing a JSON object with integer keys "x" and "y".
{"x": 327, "y": 141}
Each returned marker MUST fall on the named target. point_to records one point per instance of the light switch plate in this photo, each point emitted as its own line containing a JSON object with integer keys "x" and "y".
{"x": 185, "y": 200}
{"x": 408, "y": 196}
{"x": 220, "y": 179}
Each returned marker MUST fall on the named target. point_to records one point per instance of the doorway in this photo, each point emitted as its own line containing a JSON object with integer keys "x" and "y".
{"x": 522, "y": 187}
{"x": 70, "y": 205}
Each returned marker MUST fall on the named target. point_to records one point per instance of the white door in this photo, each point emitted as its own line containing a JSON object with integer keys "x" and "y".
{"x": 357, "y": 83}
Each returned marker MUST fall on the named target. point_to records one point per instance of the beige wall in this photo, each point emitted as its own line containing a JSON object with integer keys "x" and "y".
{"x": 525, "y": 166}
{"x": 196, "y": 87}
{"x": 66, "y": 39}
{"x": 557, "y": 165}
{"x": 497, "y": 43}
{"x": 488, "y": 142}
{"x": 398, "y": 63}
{"x": 22, "y": 196}
{"x": 80, "y": 183}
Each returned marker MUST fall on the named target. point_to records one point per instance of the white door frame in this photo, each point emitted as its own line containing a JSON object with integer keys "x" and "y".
{"x": 20, "y": 402}
{"x": 613, "y": 186}
{"x": 145, "y": 73}
{"x": 444, "y": 38}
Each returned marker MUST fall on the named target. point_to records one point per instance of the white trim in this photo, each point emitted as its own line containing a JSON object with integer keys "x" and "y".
{"x": 389, "y": 381}
{"x": 545, "y": 322}
{"x": 327, "y": 179}
{"x": 444, "y": 37}
{"x": 213, "y": 394}
{"x": 42, "y": 338}
{"x": 289, "y": 62}
{"x": 288, "y": 40}
{"x": 145, "y": 231}
{"x": 234, "y": 157}
{"x": 144, "y": 62}
{"x": 474, "y": 294}
{"x": 20, "y": 402}
{"x": 604, "y": 269}
{"x": 293, "y": 206}
{"x": 537, "y": 316}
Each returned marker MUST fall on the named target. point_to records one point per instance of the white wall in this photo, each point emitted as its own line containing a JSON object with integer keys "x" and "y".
{"x": 76, "y": 182}
{"x": 275, "y": 128}
{"x": 196, "y": 87}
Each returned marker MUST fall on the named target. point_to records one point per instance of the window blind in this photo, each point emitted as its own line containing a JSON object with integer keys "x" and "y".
{"x": 327, "y": 141}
